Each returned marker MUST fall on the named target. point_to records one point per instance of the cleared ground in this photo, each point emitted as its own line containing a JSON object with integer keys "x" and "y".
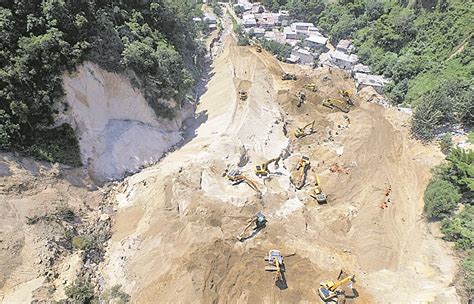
{"x": 175, "y": 234}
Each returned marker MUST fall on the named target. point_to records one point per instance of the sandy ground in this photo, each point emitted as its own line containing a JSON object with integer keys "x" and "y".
{"x": 175, "y": 233}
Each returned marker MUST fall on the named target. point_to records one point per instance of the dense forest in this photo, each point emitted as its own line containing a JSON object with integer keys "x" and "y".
{"x": 154, "y": 43}
{"x": 425, "y": 48}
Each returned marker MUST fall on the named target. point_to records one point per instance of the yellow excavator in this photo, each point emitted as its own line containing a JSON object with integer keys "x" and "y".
{"x": 302, "y": 132}
{"x": 311, "y": 86}
{"x": 329, "y": 289}
{"x": 301, "y": 168}
{"x": 236, "y": 177}
{"x": 262, "y": 170}
{"x": 275, "y": 259}
{"x": 259, "y": 220}
{"x": 346, "y": 95}
{"x": 336, "y": 104}
{"x": 318, "y": 193}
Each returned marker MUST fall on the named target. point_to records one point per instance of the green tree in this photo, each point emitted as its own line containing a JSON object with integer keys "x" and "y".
{"x": 460, "y": 228}
{"x": 441, "y": 198}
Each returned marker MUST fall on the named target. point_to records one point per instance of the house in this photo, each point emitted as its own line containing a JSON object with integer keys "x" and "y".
{"x": 360, "y": 68}
{"x": 210, "y": 19}
{"x": 343, "y": 60}
{"x": 304, "y": 55}
{"x": 366, "y": 80}
{"x": 289, "y": 33}
{"x": 316, "y": 42}
{"x": 345, "y": 46}
{"x": 257, "y": 32}
{"x": 247, "y": 23}
{"x": 270, "y": 36}
{"x": 302, "y": 26}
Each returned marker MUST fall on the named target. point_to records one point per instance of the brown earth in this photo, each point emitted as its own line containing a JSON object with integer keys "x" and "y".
{"x": 175, "y": 234}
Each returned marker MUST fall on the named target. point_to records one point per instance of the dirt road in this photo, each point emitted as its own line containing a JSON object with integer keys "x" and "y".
{"x": 175, "y": 233}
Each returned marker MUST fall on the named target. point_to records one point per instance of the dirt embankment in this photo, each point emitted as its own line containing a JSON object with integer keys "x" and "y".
{"x": 44, "y": 207}
{"x": 175, "y": 233}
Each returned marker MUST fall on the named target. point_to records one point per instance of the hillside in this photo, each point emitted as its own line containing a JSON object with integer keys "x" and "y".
{"x": 154, "y": 45}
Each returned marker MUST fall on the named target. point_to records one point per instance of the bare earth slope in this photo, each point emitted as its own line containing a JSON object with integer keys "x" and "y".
{"x": 174, "y": 235}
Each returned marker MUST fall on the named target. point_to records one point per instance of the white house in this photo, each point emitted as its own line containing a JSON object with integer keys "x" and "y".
{"x": 343, "y": 60}
{"x": 360, "y": 68}
{"x": 345, "y": 46}
{"x": 304, "y": 55}
{"x": 210, "y": 19}
{"x": 289, "y": 33}
{"x": 365, "y": 80}
{"x": 316, "y": 42}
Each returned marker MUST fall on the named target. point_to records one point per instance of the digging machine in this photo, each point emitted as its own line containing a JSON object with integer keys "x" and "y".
{"x": 259, "y": 222}
{"x": 301, "y": 98}
{"x": 336, "y": 104}
{"x": 262, "y": 170}
{"x": 236, "y": 177}
{"x": 288, "y": 76}
{"x": 275, "y": 259}
{"x": 301, "y": 168}
{"x": 318, "y": 193}
{"x": 243, "y": 95}
{"x": 304, "y": 131}
{"x": 329, "y": 290}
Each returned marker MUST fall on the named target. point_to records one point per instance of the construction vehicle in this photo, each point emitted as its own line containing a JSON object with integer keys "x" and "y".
{"x": 302, "y": 132}
{"x": 262, "y": 170}
{"x": 288, "y": 76}
{"x": 311, "y": 86}
{"x": 318, "y": 193}
{"x": 259, "y": 221}
{"x": 346, "y": 95}
{"x": 275, "y": 259}
{"x": 301, "y": 98}
{"x": 258, "y": 48}
{"x": 243, "y": 95}
{"x": 301, "y": 168}
{"x": 329, "y": 290}
{"x": 336, "y": 103}
{"x": 236, "y": 177}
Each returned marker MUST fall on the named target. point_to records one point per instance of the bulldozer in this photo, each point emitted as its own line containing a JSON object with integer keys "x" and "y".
{"x": 304, "y": 131}
{"x": 301, "y": 168}
{"x": 328, "y": 290}
{"x": 301, "y": 98}
{"x": 275, "y": 259}
{"x": 236, "y": 177}
{"x": 243, "y": 95}
{"x": 262, "y": 170}
{"x": 346, "y": 95}
{"x": 318, "y": 193}
{"x": 288, "y": 76}
{"x": 336, "y": 104}
{"x": 311, "y": 86}
{"x": 259, "y": 220}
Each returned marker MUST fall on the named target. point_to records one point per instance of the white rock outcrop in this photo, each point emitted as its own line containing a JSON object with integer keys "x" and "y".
{"x": 118, "y": 131}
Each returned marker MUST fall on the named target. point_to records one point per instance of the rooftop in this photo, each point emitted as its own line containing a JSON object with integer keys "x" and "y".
{"x": 371, "y": 80}
{"x": 344, "y": 44}
{"x": 344, "y": 57}
{"x": 317, "y": 39}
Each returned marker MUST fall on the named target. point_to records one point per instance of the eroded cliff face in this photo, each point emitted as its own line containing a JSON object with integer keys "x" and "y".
{"x": 118, "y": 131}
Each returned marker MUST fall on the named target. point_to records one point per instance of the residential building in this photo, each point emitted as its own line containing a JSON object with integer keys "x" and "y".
{"x": 304, "y": 55}
{"x": 343, "y": 60}
{"x": 316, "y": 42}
{"x": 345, "y": 46}
{"x": 210, "y": 18}
{"x": 365, "y": 80}
{"x": 289, "y": 33}
{"x": 360, "y": 68}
